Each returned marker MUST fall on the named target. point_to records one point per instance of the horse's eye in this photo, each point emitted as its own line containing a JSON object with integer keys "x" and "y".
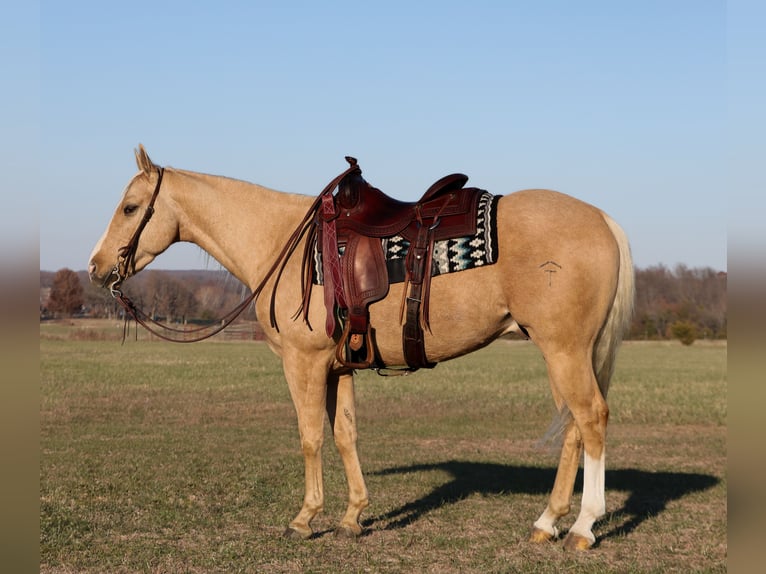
{"x": 129, "y": 209}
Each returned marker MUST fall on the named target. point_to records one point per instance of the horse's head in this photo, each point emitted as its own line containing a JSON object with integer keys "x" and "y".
{"x": 142, "y": 227}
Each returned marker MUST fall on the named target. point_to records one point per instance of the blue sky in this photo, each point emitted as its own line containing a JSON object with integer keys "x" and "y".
{"x": 622, "y": 104}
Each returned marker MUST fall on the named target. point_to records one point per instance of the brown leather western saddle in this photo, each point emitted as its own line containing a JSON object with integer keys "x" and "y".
{"x": 347, "y": 230}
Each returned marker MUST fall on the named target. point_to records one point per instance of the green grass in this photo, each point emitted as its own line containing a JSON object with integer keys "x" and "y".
{"x": 185, "y": 458}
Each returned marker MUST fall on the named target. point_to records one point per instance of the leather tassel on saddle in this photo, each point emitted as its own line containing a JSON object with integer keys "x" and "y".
{"x": 306, "y": 228}
{"x": 354, "y": 221}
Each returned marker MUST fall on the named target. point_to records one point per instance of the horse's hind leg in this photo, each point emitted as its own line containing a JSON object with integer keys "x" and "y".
{"x": 341, "y": 409}
{"x": 559, "y": 503}
{"x": 575, "y": 383}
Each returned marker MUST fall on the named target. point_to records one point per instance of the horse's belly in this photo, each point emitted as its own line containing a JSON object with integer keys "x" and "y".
{"x": 467, "y": 311}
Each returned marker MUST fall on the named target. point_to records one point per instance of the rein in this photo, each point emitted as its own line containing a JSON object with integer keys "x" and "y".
{"x": 126, "y": 266}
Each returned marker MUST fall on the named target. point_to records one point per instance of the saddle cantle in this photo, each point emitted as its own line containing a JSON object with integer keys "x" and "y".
{"x": 348, "y": 228}
{"x": 366, "y": 210}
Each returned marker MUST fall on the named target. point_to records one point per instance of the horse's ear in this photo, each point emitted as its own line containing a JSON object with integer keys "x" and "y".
{"x": 142, "y": 160}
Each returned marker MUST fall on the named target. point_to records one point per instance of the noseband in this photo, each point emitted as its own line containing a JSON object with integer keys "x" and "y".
{"x": 126, "y": 255}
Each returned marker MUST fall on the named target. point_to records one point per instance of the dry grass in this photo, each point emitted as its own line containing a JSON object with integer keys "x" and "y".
{"x": 185, "y": 458}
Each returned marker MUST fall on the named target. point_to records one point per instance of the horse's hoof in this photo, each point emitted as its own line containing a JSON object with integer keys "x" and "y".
{"x": 347, "y": 532}
{"x": 576, "y": 542}
{"x": 295, "y": 534}
{"x": 539, "y": 536}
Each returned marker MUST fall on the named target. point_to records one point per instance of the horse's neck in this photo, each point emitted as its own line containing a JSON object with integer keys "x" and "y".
{"x": 242, "y": 225}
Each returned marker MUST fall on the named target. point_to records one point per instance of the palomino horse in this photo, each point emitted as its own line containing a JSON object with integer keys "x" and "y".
{"x": 576, "y": 316}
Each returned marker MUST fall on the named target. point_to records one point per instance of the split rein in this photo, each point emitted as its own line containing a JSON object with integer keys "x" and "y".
{"x": 126, "y": 266}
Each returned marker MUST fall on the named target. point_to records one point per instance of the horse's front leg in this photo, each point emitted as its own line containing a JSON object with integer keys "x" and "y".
{"x": 341, "y": 408}
{"x": 307, "y": 380}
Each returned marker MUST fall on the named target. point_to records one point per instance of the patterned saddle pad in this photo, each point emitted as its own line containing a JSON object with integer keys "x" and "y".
{"x": 450, "y": 255}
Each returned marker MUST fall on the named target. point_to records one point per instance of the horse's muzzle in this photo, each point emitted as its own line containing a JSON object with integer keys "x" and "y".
{"x": 97, "y": 276}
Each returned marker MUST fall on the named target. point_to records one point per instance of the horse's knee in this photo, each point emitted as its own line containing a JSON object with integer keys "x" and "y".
{"x": 311, "y": 446}
{"x": 345, "y": 440}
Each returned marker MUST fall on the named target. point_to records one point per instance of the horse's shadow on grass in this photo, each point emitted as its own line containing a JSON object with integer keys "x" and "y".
{"x": 649, "y": 492}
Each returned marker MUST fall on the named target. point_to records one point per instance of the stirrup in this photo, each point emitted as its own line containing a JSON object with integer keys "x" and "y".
{"x": 350, "y": 345}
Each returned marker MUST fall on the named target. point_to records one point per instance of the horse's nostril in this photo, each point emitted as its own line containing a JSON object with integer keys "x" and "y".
{"x": 92, "y": 269}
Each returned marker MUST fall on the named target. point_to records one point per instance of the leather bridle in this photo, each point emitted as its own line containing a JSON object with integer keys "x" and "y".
{"x": 126, "y": 255}
{"x": 126, "y": 266}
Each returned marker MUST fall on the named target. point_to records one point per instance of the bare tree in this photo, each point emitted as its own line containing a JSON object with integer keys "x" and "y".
{"x": 66, "y": 297}
{"x": 170, "y": 298}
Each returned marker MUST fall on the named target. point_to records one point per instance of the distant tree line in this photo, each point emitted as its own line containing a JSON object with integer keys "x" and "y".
{"x": 682, "y": 303}
{"x": 171, "y": 296}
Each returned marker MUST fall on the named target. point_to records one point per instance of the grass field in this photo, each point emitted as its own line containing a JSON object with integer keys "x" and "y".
{"x": 185, "y": 458}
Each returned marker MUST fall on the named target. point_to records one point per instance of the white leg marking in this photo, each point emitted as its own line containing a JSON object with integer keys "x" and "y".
{"x": 547, "y": 522}
{"x": 593, "y": 499}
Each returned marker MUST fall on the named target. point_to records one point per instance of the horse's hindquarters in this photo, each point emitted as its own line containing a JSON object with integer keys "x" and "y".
{"x": 559, "y": 265}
